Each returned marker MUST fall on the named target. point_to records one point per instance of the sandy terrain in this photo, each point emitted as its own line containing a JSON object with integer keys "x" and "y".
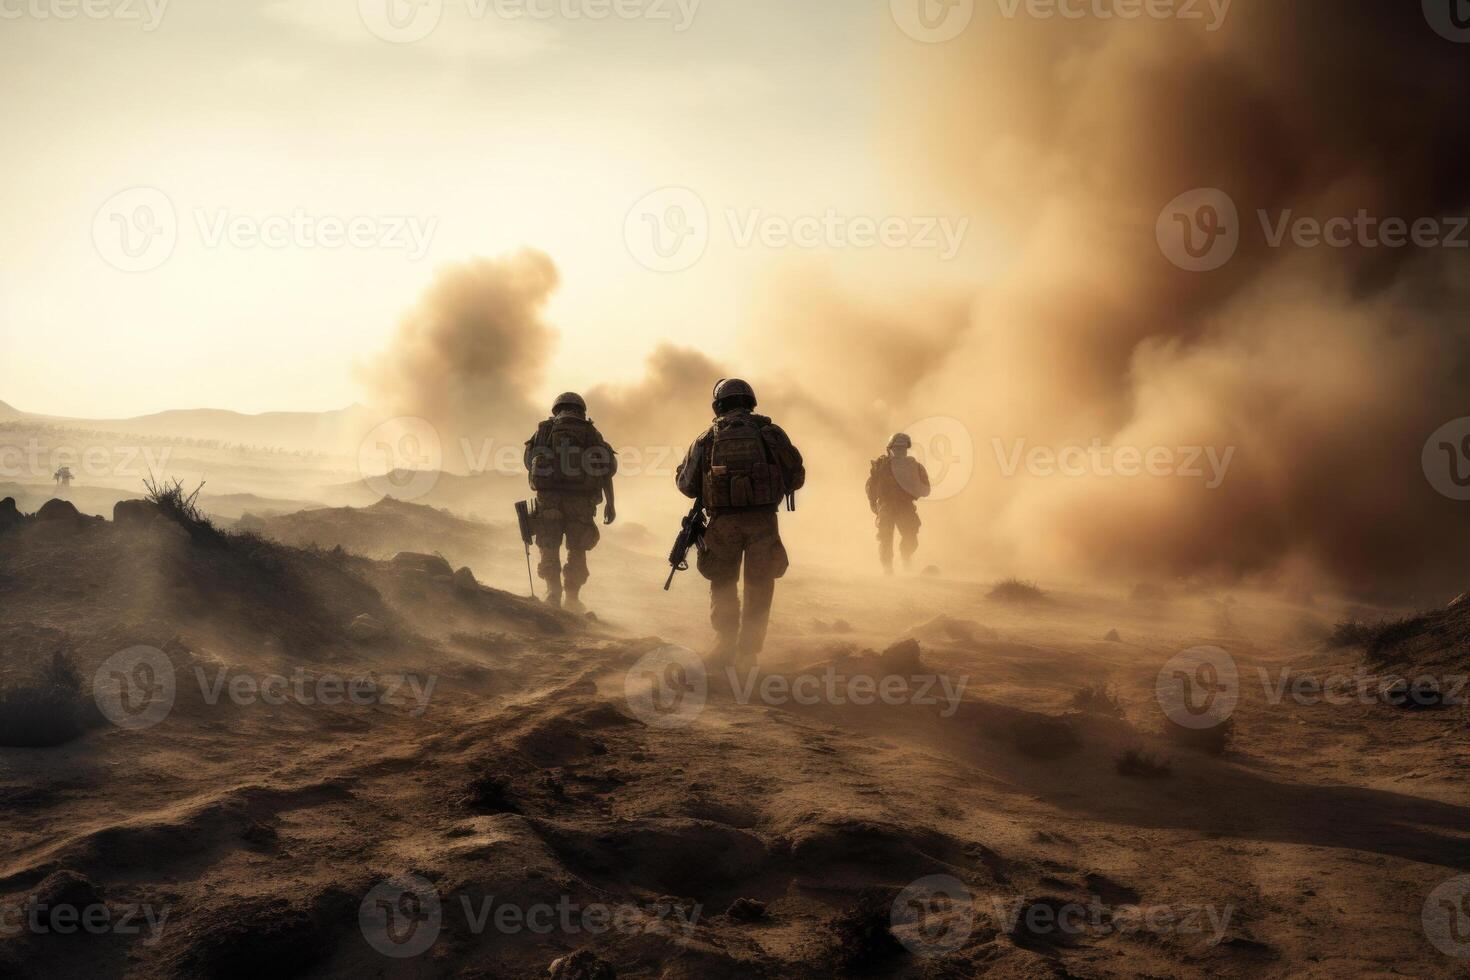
{"x": 520, "y": 784}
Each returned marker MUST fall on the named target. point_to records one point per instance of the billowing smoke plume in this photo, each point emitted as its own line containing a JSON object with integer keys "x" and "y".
{"x": 1325, "y": 369}
{"x": 472, "y": 354}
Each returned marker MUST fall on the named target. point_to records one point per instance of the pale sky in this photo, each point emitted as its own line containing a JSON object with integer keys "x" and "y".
{"x": 490, "y": 133}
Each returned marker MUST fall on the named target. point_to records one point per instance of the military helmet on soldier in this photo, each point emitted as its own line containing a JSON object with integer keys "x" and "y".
{"x": 901, "y": 441}
{"x": 733, "y": 393}
{"x": 569, "y": 400}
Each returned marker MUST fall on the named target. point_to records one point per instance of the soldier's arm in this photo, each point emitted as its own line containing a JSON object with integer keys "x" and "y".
{"x": 924, "y": 487}
{"x": 609, "y": 510}
{"x": 688, "y": 475}
{"x": 795, "y": 466}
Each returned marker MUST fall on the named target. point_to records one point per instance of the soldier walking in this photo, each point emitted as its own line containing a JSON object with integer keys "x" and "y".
{"x": 740, "y": 469}
{"x": 895, "y": 481}
{"x": 571, "y": 469}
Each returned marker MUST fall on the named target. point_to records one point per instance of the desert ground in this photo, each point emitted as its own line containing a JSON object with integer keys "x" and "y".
{"x": 367, "y": 752}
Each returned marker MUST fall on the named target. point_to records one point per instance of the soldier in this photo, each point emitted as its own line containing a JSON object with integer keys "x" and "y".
{"x": 894, "y": 483}
{"x": 63, "y": 476}
{"x": 571, "y": 468}
{"x": 741, "y": 469}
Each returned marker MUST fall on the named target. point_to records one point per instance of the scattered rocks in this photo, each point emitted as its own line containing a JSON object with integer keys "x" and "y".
{"x": 366, "y": 629}
{"x": 581, "y": 965}
{"x": 135, "y": 512}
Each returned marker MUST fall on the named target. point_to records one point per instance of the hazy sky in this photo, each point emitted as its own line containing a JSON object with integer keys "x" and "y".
{"x": 253, "y": 119}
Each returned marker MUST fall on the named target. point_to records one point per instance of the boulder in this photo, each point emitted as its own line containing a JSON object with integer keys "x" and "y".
{"x": 66, "y": 888}
{"x": 464, "y": 581}
{"x": 366, "y": 629}
{"x": 746, "y": 910}
{"x": 581, "y": 965}
{"x": 135, "y": 512}
{"x": 902, "y": 658}
{"x": 1113, "y": 637}
{"x": 58, "y": 510}
{"x": 430, "y": 565}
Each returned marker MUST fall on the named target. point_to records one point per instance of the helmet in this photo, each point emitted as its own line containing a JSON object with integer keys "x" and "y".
{"x": 731, "y": 389}
{"x": 570, "y": 400}
{"x": 900, "y": 441}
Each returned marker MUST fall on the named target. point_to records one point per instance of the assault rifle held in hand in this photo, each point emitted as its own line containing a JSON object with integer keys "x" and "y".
{"x": 691, "y": 535}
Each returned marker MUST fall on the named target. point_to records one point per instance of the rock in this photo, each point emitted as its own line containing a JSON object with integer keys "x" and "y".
{"x": 366, "y": 629}
{"x": 464, "y": 581}
{"x": 10, "y": 515}
{"x": 66, "y": 888}
{"x": 581, "y": 965}
{"x": 58, "y": 510}
{"x": 135, "y": 512}
{"x": 902, "y": 658}
{"x": 746, "y": 910}
{"x": 1113, "y": 637}
{"x": 430, "y": 565}
{"x": 930, "y": 571}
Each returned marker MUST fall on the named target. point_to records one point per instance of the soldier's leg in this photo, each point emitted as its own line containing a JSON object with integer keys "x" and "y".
{"x": 908, "y": 526}
{"x": 549, "y": 531}
{"x": 885, "y": 540}
{"x": 582, "y": 537}
{"x": 765, "y": 561}
{"x": 720, "y": 564}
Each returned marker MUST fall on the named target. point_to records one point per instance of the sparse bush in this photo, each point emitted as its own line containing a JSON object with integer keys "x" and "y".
{"x": 45, "y": 708}
{"x": 1376, "y": 639}
{"x": 1098, "y": 699}
{"x": 183, "y": 509}
{"x": 1140, "y": 765}
{"x": 1017, "y": 590}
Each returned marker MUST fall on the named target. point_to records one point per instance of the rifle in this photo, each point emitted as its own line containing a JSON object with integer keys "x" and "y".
{"x": 526, "y": 519}
{"x": 691, "y": 535}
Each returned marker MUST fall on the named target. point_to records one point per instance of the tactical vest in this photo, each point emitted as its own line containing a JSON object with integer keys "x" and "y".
{"x": 896, "y": 480}
{"x": 741, "y": 470}
{"x": 568, "y": 456}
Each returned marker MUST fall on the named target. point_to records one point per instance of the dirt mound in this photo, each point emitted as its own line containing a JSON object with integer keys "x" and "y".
{"x": 1431, "y": 639}
{"x": 385, "y": 529}
{"x": 43, "y": 702}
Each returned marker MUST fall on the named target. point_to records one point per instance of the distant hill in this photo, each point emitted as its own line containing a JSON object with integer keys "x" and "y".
{"x": 6, "y": 412}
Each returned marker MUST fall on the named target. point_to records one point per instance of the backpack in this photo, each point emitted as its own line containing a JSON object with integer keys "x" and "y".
{"x": 569, "y": 456}
{"x": 743, "y": 468}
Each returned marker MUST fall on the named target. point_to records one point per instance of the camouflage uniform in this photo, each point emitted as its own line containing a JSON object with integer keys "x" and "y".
{"x": 566, "y": 501}
{"x": 894, "y": 483}
{"x": 747, "y": 535}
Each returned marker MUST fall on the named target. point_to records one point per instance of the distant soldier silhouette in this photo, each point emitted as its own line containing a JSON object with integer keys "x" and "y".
{"x": 63, "y": 477}
{"x": 895, "y": 481}
{"x": 571, "y": 469}
{"x": 740, "y": 469}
